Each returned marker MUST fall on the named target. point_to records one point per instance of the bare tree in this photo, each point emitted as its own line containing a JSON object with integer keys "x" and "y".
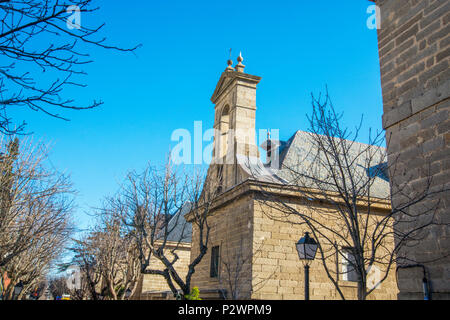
{"x": 344, "y": 200}
{"x": 39, "y": 37}
{"x": 58, "y": 286}
{"x": 116, "y": 257}
{"x": 153, "y": 204}
{"x": 85, "y": 259}
{"x": 82, "y": 282}
{"x": 30, "y": 266}
{"x": 108, "y": 261}
{"x": 38, "y": 290}
{"x": 35, "y": 211}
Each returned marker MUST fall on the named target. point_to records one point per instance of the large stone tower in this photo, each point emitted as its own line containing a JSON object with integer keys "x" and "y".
{"x": 414, "y": 51}
{"x": 234, "y": 123}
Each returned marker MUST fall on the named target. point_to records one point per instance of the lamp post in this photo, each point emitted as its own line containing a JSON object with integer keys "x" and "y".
{"x": 307, "y": 248}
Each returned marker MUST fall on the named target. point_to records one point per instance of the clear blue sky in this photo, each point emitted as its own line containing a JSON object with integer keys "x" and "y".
{"x": 297, "y": 46}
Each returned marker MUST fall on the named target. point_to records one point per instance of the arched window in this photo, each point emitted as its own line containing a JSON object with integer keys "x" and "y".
{"x": 224, "y": 130}
{"x": 220, "y": 178}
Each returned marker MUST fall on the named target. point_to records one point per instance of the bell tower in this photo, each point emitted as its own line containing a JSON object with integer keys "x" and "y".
{"x": 234, "y": 123}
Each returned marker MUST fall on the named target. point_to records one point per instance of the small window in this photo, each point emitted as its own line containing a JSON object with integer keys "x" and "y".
{"x": 348, "y": 266}
{"x": 215, "y": 262}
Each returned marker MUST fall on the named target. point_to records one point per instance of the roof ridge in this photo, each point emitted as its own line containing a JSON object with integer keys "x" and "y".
{"x": 354, "y": 141}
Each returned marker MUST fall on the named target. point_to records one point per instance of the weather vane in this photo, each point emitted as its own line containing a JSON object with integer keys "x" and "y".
{"x": 230, "y": 62}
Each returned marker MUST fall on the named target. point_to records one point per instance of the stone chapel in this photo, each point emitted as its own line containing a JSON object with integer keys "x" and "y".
{"x": 251, "y": 253}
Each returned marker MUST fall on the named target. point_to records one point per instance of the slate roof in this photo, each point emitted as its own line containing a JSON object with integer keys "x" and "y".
{"x": 298, "y": 153}
{"x": 182, "y": 231}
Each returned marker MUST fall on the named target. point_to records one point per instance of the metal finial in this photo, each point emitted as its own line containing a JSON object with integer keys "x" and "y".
{"x": 240, "y": 59}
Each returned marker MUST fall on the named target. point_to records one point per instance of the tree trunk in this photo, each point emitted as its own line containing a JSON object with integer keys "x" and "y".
{"x": 362, "y": 293}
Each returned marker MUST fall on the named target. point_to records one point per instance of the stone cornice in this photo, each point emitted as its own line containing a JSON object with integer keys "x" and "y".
{"x": 250, "y": 186}
{"x": 232, "y": 76}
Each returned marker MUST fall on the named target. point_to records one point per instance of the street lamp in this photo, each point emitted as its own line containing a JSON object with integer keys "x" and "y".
{"x": 18, "y": 289}
{"x": 307, "y": 248}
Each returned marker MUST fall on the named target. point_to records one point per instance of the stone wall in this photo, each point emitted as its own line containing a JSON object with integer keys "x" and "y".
{"x": 277, "y": 271}
{"x": 231, "y": 230}
{"x": 414, "y": 49}
{"x": 155, "y": 283}
{"x": 255, "y": 240}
